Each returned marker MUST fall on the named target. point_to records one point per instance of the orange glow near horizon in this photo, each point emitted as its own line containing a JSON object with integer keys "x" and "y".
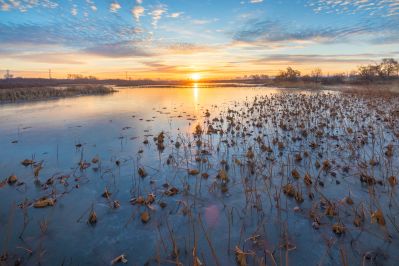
{"x": 195, "y": 77}
{"x": 207, "y": 71}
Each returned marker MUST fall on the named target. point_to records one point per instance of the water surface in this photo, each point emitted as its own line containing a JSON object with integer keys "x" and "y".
{"x": 60, "y": 134}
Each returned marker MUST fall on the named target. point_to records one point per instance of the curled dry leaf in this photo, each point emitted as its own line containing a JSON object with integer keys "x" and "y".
{"x": 142, "y": 173}
{"x": 92, "y": 218}
{"x": 393, "y": 181}
{"x": 295, "y": 174}
{"x": 205, "y": 175}
{"x": 289, "y": 190}
{"x": 139, "y": 200}
{"x": 150, "y": 199}
{"x": 145, "y": 217}
{"x": 106, "y": 194}
{"x": 116, "y": 204}
{"x": 12, "y": 179}
{"x": 27, "y": 162}
{"x": 378, "y": 217}
{"x": 241, "y": 257}
{"x": 171, "y": 191}
{"x": 119, "y": 259}
{"x": 193, "y": 172}
{"x": 44, "y": 202}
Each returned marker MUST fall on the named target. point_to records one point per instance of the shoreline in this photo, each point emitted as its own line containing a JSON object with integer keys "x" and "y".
{"x": 23, "y": 95}
{"x": 34, "y": 94}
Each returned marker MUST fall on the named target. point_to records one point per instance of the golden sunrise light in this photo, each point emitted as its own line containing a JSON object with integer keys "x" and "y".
{"x": 195, "y": 76}
{"x": 199, "y": 132}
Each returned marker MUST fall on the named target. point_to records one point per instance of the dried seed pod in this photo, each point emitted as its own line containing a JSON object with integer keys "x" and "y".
{"x": 393, "y": 181}
{"x": 339, "y": 228}
{"x": 295, "y": 174}
{"x": 142, "y": 173}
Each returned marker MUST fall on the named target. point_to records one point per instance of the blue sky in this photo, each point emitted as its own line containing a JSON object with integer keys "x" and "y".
{"x": 174, "y": 38}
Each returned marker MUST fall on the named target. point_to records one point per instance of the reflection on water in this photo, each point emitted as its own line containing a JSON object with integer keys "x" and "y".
{"x": 137, "y": 101}
{"x": 195, "y": 90}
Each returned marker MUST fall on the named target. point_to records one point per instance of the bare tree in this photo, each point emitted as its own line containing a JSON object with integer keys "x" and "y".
{"x": 368, "y": 73}
{"x": 316, "y": 74}
{"x": 290, "y": 74}
{"x": 388, "y": 68}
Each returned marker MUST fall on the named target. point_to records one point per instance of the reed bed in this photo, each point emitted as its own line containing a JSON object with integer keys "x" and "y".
{"x": 43, "y": 93}
{"x": 284, "y": 179}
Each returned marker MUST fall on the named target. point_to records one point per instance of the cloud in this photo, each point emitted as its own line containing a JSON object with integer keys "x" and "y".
{"x": 176, "y": 14}
{"x": 306, "y": 59}
{"x": 371, "y": 7}
{"x": 29, "y": 34}
{"x": 157, "y": 14}
{"x": 5, "y": 6}
{"x": 255, "y": 1}
{"x": 74, "y": 10}
{"x": 118, "y": 50}
{"x": 114, "y": 7}
{"x": 25, "y": 5}
{"x": 92, "y": 5}
{"x": 72, "y": 35}
{"x": 201, "y": 21}
{"x": 269, "y": 32}
{"x": 137, "y": 12}
{"x": 51, "y": 58}
{"x": 189, "y": 48}
{"x": 160, "y": 67}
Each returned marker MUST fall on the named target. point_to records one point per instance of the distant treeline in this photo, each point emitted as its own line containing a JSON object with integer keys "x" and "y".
{"x": 40, "y": 82}
{"x": 385, "y": 71}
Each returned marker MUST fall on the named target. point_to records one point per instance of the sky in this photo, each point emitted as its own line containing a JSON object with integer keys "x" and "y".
{"x": 172, "y": 39}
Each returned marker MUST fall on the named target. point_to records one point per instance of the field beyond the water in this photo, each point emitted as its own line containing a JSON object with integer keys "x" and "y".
{"x": 201, "y": 176}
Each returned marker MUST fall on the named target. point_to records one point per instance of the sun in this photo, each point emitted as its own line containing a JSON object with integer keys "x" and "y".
{"x": 195, "y": 76}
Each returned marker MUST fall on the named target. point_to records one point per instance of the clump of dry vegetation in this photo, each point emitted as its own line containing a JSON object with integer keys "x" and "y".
{"x": 287, "y": 178}
{"x": 44, "y": 93}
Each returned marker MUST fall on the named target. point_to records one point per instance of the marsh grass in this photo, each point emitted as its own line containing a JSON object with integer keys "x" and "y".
{"x": 44, "y": 93}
